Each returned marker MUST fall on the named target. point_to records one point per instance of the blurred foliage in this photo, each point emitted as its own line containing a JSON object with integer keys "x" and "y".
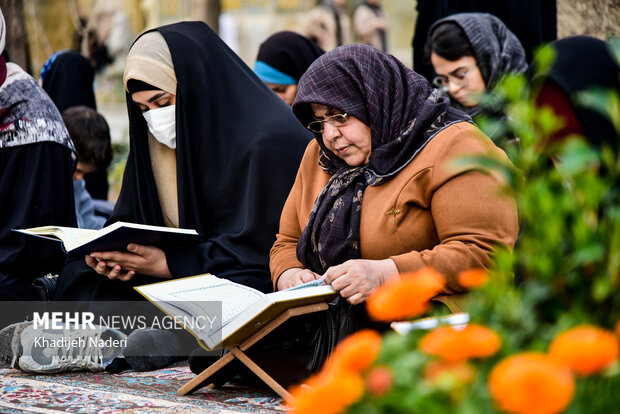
{"x": 117, "y": 168}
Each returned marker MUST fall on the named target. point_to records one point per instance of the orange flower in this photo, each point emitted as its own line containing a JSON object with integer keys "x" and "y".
{"x": 404, "y": 297}
{"x": 473, "y": 278}
{"x": 356, "y": 352}
{"x": 339, "y": 382}
{"x": 328, "y": 392}
{"x": 585, "y": 349}
{"x": 379, "y": 380}
{"x": 461, "y": 371}
{"x": 450, "y": 344}
{"x": 531, "y": 383}
{"x": 618, "y": 329}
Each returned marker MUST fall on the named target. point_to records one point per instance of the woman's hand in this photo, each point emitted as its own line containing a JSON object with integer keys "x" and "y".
{"x": 295, "y": 276}
{"x": 356, "y": 279}
{"x": 146, "y": 260}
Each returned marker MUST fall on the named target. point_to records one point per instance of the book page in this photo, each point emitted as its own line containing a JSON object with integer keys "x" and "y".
{"x": 200, "y": 289}
{"x": 66, "y": 234}
{"x": 298, "y": 292}
{"x": 316, "y": 282}
{"x": 269, "y": 308}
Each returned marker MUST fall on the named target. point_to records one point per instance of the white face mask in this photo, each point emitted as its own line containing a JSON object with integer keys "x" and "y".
{"x": 162, "y": 124}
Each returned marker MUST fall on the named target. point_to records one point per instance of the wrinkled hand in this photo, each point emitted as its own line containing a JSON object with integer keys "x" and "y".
{"x": 356, "y": 279}
{"x": 295, "y": 276}
{"x": 146, "y": 260}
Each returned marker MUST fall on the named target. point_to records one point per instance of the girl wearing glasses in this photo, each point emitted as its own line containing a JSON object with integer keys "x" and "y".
{"x": 470, "y": 52}
{"x": 376, "y": 194}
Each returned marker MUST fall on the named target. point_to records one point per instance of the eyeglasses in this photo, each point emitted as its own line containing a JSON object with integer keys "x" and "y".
{"x": 337, "y": 120}
{"x": 459, "y": 77}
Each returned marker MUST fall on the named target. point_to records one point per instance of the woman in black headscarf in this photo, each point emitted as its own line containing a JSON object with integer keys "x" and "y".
{"x": 282, "y": 59}
{"x": 37, "y": 159}
{"x": 211, "y": 148}
{"x": 470, "y": 53}
{"x": 68, "y": 78}
{"x": 581, "y": 64}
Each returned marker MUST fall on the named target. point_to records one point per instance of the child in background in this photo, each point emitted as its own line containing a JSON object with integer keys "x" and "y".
{"x": 90, "y": 134}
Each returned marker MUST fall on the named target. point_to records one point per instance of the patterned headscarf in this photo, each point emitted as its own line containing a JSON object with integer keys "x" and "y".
{"x": 27, "y": 114}
{"x": 496, "y": 49}
{"x": 404, "y": 113}
{"x": 2, "y": 44}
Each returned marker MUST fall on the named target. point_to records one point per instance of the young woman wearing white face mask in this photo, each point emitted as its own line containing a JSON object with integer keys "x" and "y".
{"x": 212, "y": 149}
{"x": 158, "y": 108}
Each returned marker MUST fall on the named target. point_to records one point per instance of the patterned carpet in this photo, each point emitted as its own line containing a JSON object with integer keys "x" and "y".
{"x": 127, "y": 392}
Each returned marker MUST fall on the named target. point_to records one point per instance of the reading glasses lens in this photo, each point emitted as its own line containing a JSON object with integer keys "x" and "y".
{"x": 334, "y": 120}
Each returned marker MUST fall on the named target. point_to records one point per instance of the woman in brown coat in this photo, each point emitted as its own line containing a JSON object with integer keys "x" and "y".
{"x": 376, "y": 193}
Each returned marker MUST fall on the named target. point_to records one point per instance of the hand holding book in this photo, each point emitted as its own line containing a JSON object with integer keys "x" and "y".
{"x": 107, "y": 249}
{"x": 354, "y": 279}
{"x": 296, "y": 276}
{"x": 146, "y": 260}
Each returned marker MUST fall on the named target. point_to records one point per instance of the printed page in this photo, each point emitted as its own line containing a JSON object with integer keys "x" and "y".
{"x": 85, "y": 238}
{"x": 310, "y": 289}
{"x": 66, "y": 234}
{"x": 316, "y": 282}
{"x": 205, "y": 288}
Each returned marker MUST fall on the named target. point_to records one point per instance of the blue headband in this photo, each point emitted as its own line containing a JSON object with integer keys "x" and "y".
{"x": 268, "y": 74}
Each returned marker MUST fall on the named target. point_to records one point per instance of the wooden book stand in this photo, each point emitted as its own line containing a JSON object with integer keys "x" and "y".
{"x": 201, "y": 379}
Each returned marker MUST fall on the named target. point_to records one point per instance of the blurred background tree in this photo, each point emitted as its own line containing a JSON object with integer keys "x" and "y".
{"x": 17, "y": 41}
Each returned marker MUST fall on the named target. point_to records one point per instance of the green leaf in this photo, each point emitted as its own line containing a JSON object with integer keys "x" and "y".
{"x": 601, "y": 289}
{"x": 614, "y": 48}
{"x": 606, "y": 102}
{"x": 543, "y": 60}
{"x": 576, "y": 156}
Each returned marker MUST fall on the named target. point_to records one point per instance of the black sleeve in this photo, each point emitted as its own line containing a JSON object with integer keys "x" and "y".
{"x": 36, "y": 189}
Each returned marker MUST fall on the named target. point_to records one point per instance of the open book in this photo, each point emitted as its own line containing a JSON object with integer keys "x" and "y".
{"x": 114, "y": 237}
{"x": 242, "y": 310}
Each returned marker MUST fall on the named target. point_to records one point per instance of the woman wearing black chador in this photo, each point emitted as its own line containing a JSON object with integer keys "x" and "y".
{"x": 211, "y": 149}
